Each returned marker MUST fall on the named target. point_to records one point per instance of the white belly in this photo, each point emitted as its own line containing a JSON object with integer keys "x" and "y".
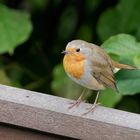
{"x": 87, "y": 80}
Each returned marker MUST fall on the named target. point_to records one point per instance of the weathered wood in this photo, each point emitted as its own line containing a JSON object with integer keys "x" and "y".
{"x": 16, "y": 133}
{"x": 50, "y": 114}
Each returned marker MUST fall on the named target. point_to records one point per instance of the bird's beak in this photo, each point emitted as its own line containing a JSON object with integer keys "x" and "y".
{"x": 64, "y": 52}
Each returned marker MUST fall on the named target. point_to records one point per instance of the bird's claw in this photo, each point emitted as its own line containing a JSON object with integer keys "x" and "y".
{"x": 92, "y": 108}
{"x": 75, "y": 103}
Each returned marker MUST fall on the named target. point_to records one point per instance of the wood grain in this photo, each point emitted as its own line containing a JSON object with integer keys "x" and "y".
{"x": 50, "y": 114}
{"x": 9, "y": 132}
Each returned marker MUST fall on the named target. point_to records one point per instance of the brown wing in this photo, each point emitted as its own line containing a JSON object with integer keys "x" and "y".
{"x": 102, "y": 69}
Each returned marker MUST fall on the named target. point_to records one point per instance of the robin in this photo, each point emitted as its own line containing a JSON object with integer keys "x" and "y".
{"x": 91, "y": 67}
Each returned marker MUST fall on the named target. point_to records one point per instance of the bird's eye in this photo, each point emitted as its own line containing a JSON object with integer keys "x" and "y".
{"x": 78, "y": 50}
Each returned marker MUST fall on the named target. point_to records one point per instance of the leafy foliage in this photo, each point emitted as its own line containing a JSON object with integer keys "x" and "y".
{"x": 109, "y": 98}
{"x": 127, "y": 49}
{"x": 124, "y": 46}
{"x": 15, "y": 28}
{"x": 123, "y": 18}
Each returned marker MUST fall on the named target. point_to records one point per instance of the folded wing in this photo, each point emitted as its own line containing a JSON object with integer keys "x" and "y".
{"x": 102, "y": 69}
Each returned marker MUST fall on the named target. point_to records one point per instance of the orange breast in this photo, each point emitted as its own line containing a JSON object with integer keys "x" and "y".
{"x": 73, "y": 66}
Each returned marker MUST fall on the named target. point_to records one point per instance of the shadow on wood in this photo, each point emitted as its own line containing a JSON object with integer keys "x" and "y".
{"x": 49, "y": 118}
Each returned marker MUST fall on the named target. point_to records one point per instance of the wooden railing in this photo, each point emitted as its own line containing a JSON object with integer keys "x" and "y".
{"x": 30, "y": 115}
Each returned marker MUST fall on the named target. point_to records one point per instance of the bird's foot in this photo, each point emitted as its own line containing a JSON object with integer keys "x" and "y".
{"x": 75, "y": 103}
{"x": 92, "y": 108}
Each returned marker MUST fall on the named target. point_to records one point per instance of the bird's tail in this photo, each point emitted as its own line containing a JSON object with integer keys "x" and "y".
{"x": 122, "y": 66}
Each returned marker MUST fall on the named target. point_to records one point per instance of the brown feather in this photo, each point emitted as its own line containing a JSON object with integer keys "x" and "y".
{"x": 102, "y": 69}
{"x": 122, "y": 66}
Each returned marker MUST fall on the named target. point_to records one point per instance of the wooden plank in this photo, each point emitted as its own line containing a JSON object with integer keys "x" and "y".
{"x": 50, "y": 114}
{"x": 16, "y": 133}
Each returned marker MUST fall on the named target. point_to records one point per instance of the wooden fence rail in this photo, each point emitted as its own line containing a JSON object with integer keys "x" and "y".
{"x": 30, "y": 115}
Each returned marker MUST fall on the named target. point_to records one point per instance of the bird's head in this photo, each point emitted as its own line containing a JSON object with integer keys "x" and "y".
{"x": 77, "y": 50}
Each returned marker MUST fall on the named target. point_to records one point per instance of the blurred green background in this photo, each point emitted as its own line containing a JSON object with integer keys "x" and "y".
{"x": 34, "y": 32}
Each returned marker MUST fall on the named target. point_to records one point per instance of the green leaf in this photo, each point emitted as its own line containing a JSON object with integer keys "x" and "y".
{"x": 128, "y": 82}
{"x": 107, "y": 24}
{"x": 124, "y": 46}
{"x": 124, "y": 18}
{"x": 128, "y": 51}
{"x": 109, "y": 98}
{"x": 137, "y": 60}
{"x": 15, "y": 28}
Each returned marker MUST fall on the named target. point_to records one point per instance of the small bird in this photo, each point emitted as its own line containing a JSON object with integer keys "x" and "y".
{"x": 91, "y": 67}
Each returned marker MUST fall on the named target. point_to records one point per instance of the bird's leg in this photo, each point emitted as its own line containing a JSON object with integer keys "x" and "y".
{"x": 95, "y": 104}
{"x": 78, "y": 101}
